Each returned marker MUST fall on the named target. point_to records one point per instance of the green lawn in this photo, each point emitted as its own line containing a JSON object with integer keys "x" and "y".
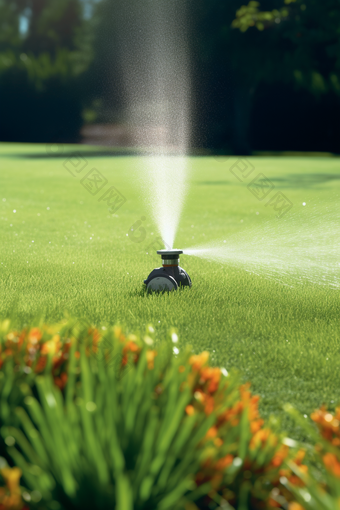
{"x": 63, "y": 251}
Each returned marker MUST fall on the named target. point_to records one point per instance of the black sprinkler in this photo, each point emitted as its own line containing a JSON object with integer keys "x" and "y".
{"x": 170, "y": 276}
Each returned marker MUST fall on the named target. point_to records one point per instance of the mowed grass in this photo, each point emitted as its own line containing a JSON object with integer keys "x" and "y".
{"x": 63, "y": 252}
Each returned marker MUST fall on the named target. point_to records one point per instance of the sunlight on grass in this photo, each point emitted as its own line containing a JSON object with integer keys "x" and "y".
{"x": 62, "y": 251}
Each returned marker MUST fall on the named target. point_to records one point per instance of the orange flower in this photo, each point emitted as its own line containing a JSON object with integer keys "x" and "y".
{"x": 58, "y": 361}
{"x": 130, "y": 347}
{"x": 57, "y": 382}
{"x": 67, "y": 346}
{"x": 209, "y": 405}
{"x": 212, "y": 376}
{"x": 95, "y": 334}
{"x": 295, "y": 506}
{"x": 224, "y": 462}
{"x": 11, "y": 501}
{"x": 41, "y": 364}
{"x": 244, "y": 391}
{"x": 52, "y": 346}
{"x": 61, "y": 381}
{"x": 332, "y": 464}
{"x": 150, "y": 356}
{"x": 260, "y": 438}
{"x": 280, "y": 455}
{"x": 14, "y": 341}
{"x": 212, "y": 432}
{"x": 273, "y": 504}
{"x": 190, "y": 410}
{"x": 197, "y": 361}
{"x": 294, "y": 479}
{"x": 299, "y": 457}
{"x": 34, "y": 335}
{"x": 329, "y": 424}
{"x": 96, "y": 337}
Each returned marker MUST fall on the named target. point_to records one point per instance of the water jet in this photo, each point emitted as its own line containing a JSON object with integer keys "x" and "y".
{"x": 170, "y": 276}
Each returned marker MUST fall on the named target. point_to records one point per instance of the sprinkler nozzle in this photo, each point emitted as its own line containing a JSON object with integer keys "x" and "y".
{"x": 170, "y": 276}
{"x": 170, "y": 257}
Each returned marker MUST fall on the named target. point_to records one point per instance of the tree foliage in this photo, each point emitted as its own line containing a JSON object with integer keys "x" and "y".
{"x": 42, "y": 68}
{"x": 262, "y": 68}
{"x": 300, "y": 41}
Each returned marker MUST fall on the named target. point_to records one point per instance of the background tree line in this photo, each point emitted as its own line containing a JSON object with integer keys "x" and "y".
{"x": 266, "y": 76}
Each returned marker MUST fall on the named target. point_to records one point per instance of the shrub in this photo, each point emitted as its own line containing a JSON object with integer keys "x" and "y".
{"x": 124, "y": 436}
{"x": 32, "y": 351}
{"x": 41, "y": 96}
{"x": 320, "y": 487}
{"x": 97, "y": 419}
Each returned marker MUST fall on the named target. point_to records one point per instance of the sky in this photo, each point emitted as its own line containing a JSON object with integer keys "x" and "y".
{"x": 24, "y": 19}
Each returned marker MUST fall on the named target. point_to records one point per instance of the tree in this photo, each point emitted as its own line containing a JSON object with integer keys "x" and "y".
{"x": 300, "y": 41}
{"x": 41, "y": 70}
{"x": 270, "y": 58}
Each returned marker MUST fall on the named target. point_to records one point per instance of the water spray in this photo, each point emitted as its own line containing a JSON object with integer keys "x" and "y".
{"x": 153, "y": 53}
{"x": 170, "y": 276}
{"x": 299, "y": 249}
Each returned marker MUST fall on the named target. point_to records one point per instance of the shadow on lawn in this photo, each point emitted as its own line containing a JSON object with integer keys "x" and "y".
{"x": 75, "y": 153}
{"x": 86, "y": 153}
{"x": 305, "y": 180}
{"x": 289, "y": 181}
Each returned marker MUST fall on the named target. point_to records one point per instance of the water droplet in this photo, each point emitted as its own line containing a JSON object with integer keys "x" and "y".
{"x": 174, "y": 338}
{"x": 9, "y": 440}
{"x": 91, "y": 406}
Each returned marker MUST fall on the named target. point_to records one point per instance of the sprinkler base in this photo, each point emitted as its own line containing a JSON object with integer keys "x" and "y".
{"x": 170, "y": 276}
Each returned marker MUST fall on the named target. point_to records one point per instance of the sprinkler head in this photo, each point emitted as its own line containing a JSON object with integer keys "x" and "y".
{"x": 170, "y": 276}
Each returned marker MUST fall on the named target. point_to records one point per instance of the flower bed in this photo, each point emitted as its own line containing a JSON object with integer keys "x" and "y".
{"x": 97, "y": 418}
